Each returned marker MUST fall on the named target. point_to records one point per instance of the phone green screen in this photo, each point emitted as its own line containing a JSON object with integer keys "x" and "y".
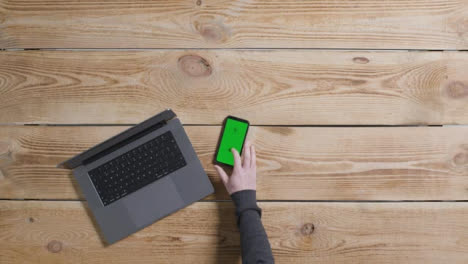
{"x": 233, "y": 136}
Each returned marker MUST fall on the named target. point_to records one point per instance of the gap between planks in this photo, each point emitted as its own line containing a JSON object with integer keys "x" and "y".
{"x": 214, "y": 125}
{"x": 239, "y": 49}
{"x": 261, "y": 201}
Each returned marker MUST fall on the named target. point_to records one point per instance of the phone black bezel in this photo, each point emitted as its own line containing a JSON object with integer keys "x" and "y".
{"x": 221, "y": 135}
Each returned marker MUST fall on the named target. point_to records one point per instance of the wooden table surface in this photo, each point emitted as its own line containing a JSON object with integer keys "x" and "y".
{"x": 359, "y": 111}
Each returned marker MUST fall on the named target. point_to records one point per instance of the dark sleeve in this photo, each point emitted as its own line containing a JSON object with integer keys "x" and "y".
{"x": 254, "y": 241}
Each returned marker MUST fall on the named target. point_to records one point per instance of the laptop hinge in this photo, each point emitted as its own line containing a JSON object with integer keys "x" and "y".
{"x": 125, "y": 142}
{"x": 120, "y": 140}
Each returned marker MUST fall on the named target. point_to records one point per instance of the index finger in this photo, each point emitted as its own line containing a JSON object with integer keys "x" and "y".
{"x": 253, "y": 162}
{"x": 237, "y": 159}
{"x": 246, "y": 153}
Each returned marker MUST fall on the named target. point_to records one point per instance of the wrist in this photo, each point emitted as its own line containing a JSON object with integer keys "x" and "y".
{"x": 245, "y": 200}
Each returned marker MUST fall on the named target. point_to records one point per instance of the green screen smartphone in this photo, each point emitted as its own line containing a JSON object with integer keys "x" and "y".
{"x": 233, "y": 135}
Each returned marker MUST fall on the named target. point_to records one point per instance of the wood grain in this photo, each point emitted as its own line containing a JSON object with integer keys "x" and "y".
{"x": 62, "y": 232}
{"x": 300, "y": 87}
{"x": 371, "y": 24}
{"x": 294, "y": 163}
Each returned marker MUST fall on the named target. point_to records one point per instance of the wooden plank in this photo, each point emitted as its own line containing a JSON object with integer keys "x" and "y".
{"x": 300, "y": 87}
{"x": 62, "y": 232}
{"x": 393, "y": 24}
{"x": 294, "y": 163}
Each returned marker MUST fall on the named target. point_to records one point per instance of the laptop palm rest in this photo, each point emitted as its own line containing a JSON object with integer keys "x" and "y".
{"x": 153, "y": 202}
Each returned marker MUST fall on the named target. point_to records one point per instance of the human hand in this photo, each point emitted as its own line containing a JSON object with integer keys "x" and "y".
{"x": 244, "y": 174}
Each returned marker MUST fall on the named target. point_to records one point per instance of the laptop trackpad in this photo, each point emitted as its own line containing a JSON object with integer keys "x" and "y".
{"x": 153, "y": 202}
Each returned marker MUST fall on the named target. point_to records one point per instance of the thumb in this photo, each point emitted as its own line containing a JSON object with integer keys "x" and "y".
{"x": 222, "y": 174}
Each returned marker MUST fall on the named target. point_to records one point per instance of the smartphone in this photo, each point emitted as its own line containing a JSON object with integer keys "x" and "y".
{"x": 233, "y": 135}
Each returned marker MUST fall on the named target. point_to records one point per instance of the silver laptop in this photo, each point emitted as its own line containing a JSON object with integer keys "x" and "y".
{"x": 140, "y": 175}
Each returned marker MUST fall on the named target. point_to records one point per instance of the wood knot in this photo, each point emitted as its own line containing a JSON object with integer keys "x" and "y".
{"x": 307, "y": 229}
{"x": 462, "y": 27}
{"x": 54, "y": 246}
{"x": 4, "y": 148}
{"x": 457, "y": 89}
{"x": 461, "y": 159}
{"x": 361, "y": 60}
{"x": 212, "y": 31}
{"x": 194, "y": 66}
{"x": 176, "y": 239}
{"x": 31, "y": 220}
{"x": 282, "y": 131}
{"x": 199, "y": 2}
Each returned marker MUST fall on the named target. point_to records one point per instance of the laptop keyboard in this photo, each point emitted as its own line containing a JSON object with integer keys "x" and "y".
{"x": 137, "y": 168}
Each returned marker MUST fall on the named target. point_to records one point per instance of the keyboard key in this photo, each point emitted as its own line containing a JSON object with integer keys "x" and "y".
{"x": 137, "y": 168}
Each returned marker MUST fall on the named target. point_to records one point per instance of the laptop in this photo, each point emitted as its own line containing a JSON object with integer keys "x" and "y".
{"x": 140, "y": 175}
